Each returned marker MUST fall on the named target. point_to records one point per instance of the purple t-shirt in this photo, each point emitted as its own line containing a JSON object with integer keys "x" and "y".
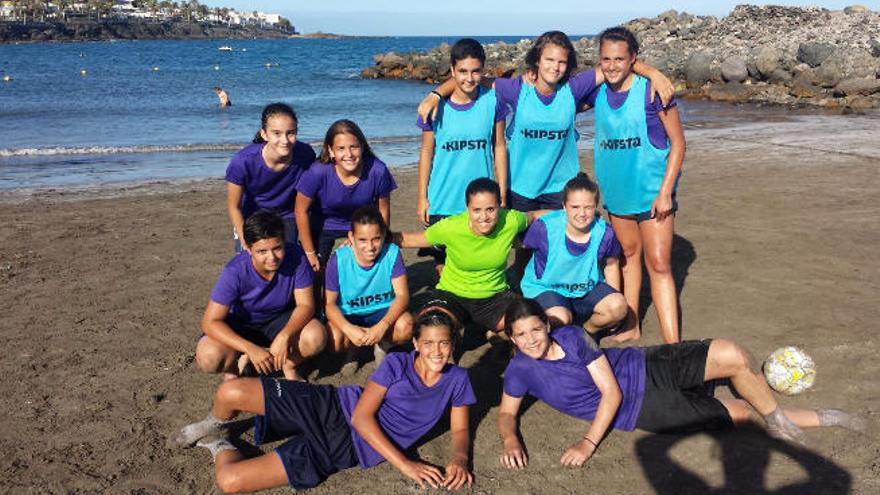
{"x": 410, "y": 408}
{"x": 507, "y": 90}
{"x": 500, "y": 112}
{"x": 331, "y": 271}
{"x": 339, "y": 201}
{"x": 566, "y": 384}
{"x": 656, "y": 131}
{"x": 263, "y": 188}
{"x": 536, "y": 240}
{"x": 254, "y": 299}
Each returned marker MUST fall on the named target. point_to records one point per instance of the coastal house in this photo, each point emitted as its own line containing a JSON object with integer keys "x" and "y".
{"x": 7, "y": 10}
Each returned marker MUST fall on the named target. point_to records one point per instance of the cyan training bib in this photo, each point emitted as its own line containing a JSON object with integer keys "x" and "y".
{"x": 566, "y": 274}
{"x": 462, "y": 152}
{"x": 629, "y": 169}
{"x": 361, "y": 290}
{"x": 542, "y": 143}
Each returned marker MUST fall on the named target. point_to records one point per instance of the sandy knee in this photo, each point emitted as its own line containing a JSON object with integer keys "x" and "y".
{"x": 213, "y": 357}
{"x": 313, "y": 338}
{"x": 228, "y": 480}
{"x": 615, "y": 305}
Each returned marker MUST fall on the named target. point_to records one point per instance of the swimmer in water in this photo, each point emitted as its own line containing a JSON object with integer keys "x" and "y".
{"x": 223, "y": 97}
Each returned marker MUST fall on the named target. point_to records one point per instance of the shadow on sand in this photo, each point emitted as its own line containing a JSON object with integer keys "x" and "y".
{"x": 745, "y": 455}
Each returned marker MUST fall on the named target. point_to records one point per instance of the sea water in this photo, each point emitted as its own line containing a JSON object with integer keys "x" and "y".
{"x": 93, "y": 113}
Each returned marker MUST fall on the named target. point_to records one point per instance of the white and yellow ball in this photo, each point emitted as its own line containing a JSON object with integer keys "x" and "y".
{"x": 789, "y": 370}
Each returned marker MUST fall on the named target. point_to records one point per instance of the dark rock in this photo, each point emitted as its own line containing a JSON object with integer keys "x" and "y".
{"x": 734, "y": 69}
{"x": 767, "y": 61}
{"x": 803, "y": 88}
{"x": 856, "y": 9}
{"x": 780, "y": 76}
{"x": 828, "y": 74}
{"x": 813, "y": 53}
{"x": 732, "y": 92}
{"x": 861, "y": 86}
{"x": 698, "y": 70}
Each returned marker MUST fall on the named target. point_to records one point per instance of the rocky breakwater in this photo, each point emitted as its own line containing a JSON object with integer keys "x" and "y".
{"x": 762, "y": 54}
{"x": 82, "y": 29}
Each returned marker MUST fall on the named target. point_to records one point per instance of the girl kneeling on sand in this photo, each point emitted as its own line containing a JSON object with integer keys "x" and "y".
{"x": 261, "y": 306}
{"x": 658, "y": 389}
{"x": 366, "y": 290}
{"x": 347, "y": 176}
{"x": 574, "y": 254}
{"x": 263, "y": 175}
{"x": 473, "y": 282}
{"x": 338, "y": 428}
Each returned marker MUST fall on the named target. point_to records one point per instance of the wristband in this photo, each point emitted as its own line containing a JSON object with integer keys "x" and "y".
{"x": 310, "y": 252}
{"x": 435, "y": 92}
{"x": 595, "y": 445}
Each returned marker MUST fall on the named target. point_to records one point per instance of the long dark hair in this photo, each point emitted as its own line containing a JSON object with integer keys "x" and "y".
{"x": 270, "y": 111}
{"x": 558, "y": 38}
{"x": 344, "y": 126}
{"x": 522, "y": 308}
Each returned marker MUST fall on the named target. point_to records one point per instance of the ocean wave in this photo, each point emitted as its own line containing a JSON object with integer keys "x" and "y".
{"x": 113, "y": 150}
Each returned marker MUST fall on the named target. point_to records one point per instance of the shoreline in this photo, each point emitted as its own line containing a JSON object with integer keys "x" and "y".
{"x": 802, "y": 124}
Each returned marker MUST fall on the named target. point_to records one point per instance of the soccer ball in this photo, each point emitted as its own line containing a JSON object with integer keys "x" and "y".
{"x": 789, "y": 370}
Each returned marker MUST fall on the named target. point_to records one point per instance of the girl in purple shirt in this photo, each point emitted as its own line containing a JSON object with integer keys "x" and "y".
{"x": 658, "y": 389}
{"x": 337, "y": 428}
{"x": 261, "y": 307}
{"x": 347, "y": 176}
{"x": 263, "y": 175}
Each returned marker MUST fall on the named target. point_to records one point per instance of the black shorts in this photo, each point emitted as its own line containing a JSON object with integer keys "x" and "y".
{"x": 581, "y": 308}
{"x": 676, "y": 396}
{"x": 549, "y": 201}
{"x": 485, "y": 312}
{"x": 326, "y": 241}
{"x": 261, "y": 334}
{"x": 646, "y": 215}
{"x": 320, "y": 439}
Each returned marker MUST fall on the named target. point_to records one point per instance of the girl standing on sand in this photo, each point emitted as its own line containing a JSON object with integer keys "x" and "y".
{"x": 664, "y": 388}
{"x": 464, "y": 142}
{"x": 337, "y": 428}
{"x": 541, "y": 134}
{"x": 366, "y": 291}
{"x": 261, "y": 306}
{"x": 638, "y": 154}
{"x": 347, "y": 176}
{"x": 263, "y": 175}
{"x": 574, "y": 272}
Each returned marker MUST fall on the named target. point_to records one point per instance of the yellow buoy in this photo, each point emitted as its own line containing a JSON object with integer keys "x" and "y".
{"x": 7, "y": 78}
{"x": 83, "y": 72}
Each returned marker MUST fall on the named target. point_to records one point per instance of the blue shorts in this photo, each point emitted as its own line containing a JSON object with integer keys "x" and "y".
{"x": 320, "y": 439}
{"x": 646, "y": 215}
{"x": 263, "y": 333}
{"x": 367, "y": 319}
{"x": 581, "y": 307}
{"x": 548, "y": 201}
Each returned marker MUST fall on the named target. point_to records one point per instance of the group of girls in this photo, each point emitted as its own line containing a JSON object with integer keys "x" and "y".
{"x": 262, "y": 309}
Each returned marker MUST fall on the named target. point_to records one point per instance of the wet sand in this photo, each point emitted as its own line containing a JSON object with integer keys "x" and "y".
{"x": 776, "y": 245}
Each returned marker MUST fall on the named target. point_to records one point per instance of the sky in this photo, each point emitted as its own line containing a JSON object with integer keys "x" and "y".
{"x": 482, "y": 17}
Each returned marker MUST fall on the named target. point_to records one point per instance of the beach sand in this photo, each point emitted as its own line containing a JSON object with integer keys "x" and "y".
{"x": 776, "y": 245}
